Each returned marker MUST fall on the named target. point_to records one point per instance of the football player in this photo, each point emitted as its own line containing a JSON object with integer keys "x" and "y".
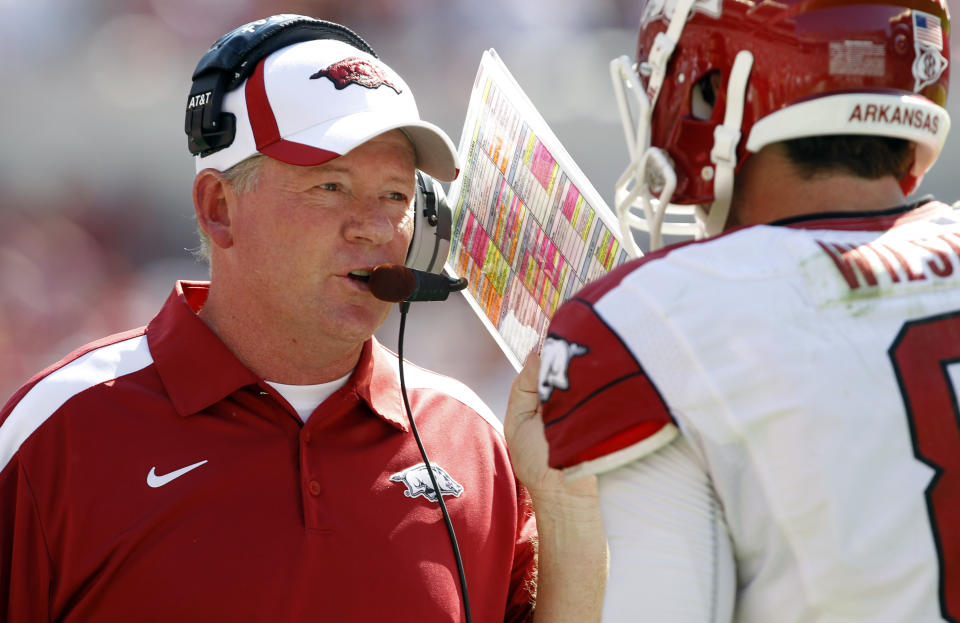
{"x": 771, "y": 409}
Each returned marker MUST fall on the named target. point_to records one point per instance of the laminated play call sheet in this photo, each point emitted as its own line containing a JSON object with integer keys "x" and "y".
{"x": 529, "y": 230}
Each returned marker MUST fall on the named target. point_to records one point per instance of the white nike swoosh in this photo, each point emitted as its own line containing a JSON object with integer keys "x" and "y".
{"x": 158, "y": 481}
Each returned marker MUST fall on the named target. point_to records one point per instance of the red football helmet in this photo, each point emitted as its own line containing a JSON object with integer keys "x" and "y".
{"x": 716, "y": 80}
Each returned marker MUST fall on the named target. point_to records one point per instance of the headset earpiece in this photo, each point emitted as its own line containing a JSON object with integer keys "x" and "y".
{"x": 431, "y": 226}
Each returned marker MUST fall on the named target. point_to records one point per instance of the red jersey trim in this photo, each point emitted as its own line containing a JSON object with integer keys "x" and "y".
{"x": 597, "y": 399}
{"x": 627, "y": 380}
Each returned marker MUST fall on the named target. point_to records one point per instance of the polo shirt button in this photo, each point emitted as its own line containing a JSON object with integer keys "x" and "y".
{"x": 307, "y": 437}
{"x": 314, "y": 487}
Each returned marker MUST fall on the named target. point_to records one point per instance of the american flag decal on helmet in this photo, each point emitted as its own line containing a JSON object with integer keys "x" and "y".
{"x": 927, "y": 29}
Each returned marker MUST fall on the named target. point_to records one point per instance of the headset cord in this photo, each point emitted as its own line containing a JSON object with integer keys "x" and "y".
{"x": 404, "y": 307}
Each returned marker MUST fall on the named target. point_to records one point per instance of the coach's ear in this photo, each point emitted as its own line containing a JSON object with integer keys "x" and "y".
{"x": 211, "y": 202}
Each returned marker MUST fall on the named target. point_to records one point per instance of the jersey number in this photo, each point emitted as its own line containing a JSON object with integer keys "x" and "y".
{"x": 921, "y": 355}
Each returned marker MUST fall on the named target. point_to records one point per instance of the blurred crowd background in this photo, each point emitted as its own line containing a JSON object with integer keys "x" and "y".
{"x": 96, "y": 216}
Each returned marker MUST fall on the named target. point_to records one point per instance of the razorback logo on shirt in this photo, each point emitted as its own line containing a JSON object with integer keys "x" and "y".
{"x": 555, "y": 359}
{"x": 355, "y": 70}
{"x": 418, "y": 482}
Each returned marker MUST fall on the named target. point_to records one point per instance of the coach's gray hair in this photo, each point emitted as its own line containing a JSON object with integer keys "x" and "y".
{"x": 243, "y": 177}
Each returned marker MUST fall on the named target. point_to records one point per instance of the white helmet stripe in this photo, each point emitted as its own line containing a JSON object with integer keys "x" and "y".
{"x": 913, "y": 118}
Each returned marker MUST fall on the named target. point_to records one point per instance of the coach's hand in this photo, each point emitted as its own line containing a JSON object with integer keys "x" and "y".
{"x": 572, "y": 548}
{"x": 523, "y": 428}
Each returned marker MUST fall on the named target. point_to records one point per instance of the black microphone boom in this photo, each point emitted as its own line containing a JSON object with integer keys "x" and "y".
{"x": 396, "y": 283}
{"x": 434, "y": 287}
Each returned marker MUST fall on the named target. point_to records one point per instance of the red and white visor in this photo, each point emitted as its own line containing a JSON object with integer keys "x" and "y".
{"x": 313, "y": 101}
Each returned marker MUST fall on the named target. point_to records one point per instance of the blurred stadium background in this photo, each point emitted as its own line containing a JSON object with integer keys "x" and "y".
{"x": 95, "y": 209}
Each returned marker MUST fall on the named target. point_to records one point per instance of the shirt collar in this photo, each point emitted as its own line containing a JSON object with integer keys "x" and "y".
{"x": 874, "y": 220}
{"x": 376, "y": 381}
{"x": 198, "y": 370}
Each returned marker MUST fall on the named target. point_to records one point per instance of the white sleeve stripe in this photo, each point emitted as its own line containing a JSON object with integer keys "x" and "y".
{"x": 621, "y": 457}
{"x": 416, "y": 377}
{"x": 50, "y": 393}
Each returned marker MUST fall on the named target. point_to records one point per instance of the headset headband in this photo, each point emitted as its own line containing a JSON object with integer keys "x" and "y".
{"x": 230, "y": 61}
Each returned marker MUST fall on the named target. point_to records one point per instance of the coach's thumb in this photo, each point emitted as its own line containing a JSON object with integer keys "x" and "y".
{"x": 523, "y": 392}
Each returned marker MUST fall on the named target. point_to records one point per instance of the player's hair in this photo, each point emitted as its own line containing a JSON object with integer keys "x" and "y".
{"x": 869, "y": 157}
{"x": 244, "y": 177}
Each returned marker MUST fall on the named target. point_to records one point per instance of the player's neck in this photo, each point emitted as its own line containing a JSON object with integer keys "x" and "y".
{"x": 770, "y": 189}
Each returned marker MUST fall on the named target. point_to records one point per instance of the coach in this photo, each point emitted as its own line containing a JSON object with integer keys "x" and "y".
{"x": 247, "y": 456}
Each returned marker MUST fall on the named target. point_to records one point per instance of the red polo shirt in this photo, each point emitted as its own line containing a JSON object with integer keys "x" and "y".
{"x": 152, "y": 477}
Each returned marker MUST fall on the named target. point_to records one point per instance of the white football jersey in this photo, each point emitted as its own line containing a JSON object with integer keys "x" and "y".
{"x": 813, "y": 369}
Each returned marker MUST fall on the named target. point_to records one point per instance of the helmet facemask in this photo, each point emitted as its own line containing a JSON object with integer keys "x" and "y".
{"x": 650, "y": 180}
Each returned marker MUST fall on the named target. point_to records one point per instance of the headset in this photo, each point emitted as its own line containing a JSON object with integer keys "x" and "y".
{"x": 231, "y": 60}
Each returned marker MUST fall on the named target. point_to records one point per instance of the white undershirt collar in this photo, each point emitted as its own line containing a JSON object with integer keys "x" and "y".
{"x": 306, "y": 398}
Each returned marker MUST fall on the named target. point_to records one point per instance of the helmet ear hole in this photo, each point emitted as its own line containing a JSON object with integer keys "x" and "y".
{"x": 703, "y": 98}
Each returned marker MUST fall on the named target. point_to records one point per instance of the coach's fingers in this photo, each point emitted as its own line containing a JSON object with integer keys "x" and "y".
{"x": 523, "y": 429}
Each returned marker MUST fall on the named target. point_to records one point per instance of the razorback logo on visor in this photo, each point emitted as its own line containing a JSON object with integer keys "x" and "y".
{"x": 355, "y": 70}
{"x": 555, "y": 359}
